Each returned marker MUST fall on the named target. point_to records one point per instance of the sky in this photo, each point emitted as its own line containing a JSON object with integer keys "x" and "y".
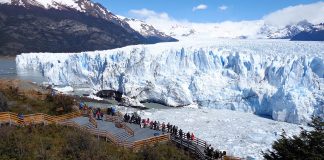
{"x": 202, "y": 11}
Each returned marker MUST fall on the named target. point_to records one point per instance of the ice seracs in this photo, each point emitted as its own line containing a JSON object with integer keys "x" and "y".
{"x": 274, "y": 78}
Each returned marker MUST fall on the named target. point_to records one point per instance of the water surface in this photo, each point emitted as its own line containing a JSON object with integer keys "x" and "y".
{"x": 9, "y": 70}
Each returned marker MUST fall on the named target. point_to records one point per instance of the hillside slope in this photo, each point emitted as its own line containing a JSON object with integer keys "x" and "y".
{"x": 64, "y": 26}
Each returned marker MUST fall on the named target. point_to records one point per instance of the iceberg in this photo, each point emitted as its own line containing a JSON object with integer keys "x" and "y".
{"x": 280, "y": 79}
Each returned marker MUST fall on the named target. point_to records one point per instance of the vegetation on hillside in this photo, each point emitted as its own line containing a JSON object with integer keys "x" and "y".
{"x": 17, "y": 100}
{"x": 306, "y": 145}
{"x": 3, "y": 103}
{"x": 57, "y": 142}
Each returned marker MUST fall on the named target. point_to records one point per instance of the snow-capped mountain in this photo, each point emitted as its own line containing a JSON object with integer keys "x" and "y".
{"x": 96, "y": 10}
{"x": 210, "y": 31}
{"x": 276, "y": 78}
{"x": 64, "y": 26}
{"x": 257, "y": 29}
{"x": 85, "y": 6}
{"x": 148, "y": 31}
{"x": 286, "y": 32}
{"x": 314, "y": 34}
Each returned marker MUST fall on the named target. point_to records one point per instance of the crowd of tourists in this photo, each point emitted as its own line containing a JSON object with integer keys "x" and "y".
{"x": 134, "y": 118}
{"x": 173, "y": 130}
{"x": 95, "y": 112}
{"x": 156, "y": 125}
{"x": 214, "y": 154}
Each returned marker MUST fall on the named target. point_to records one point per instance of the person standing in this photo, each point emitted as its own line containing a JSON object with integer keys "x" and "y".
{"x": 158, "y": 125}
{"x": 176, "y": 131}
{"x": 173, "y": 129}
{"x": 192, "y": 137}
{"x": 163, "y": 127}
{"x": 188, "y": 135}
{"x": 180, "y": 133}
{"x": 168, "y": 126}
{"x": 151, "y": 125}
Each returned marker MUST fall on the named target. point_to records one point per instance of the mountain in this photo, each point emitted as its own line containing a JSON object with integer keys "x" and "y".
{"x": 257, "y": 29}
{"x": 186, "y": 31}
{"x": 62, "y": 26}
{"x": 286, "y": 32}
{"x": 315, "y": 34}
{"x": 148, "y": 31}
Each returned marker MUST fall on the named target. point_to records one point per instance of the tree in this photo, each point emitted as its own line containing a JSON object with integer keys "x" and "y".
{"x": 307, "y": 145}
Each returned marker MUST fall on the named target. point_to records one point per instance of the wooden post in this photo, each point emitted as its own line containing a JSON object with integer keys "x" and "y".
{"x": 10, "y": 120}
{"x": 43, "y": 117}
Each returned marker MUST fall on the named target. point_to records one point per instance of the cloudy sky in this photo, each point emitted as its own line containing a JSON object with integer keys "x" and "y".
{"x": 203, "y": 11}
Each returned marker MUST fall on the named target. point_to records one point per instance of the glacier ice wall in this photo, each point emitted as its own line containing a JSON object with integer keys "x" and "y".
{"x": 280, "y": 79}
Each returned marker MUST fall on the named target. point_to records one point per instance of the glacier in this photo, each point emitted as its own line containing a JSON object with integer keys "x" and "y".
{"x": 280, "y": 79}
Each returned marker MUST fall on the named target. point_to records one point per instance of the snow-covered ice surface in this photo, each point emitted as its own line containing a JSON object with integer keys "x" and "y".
{"x": 240, "y": 134}
{"x": 276, "y": 78}
{"x": 47, "y": 3}
{"x": 64, "y": 89}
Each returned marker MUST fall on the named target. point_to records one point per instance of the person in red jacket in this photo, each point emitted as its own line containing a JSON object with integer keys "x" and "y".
{"x": 192, "y": 136}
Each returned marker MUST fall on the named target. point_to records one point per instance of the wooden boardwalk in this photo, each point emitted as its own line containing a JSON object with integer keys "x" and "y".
{"x": 121, "y": 134}
{"x": 126, "y": 135}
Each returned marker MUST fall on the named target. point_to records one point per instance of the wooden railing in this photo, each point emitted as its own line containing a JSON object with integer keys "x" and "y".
{"x": 118, "y": 119}
{"x": 93, "y": 121}
{"x": 95, "y": 132}
{"x": 11, "y": 118}
{"x": 127, "y": 129}
{"x": 38, "y": 118}
{"x": 150, "y": 141}
{"x": 119, "y": 114}
{"x": 110, "y": 118}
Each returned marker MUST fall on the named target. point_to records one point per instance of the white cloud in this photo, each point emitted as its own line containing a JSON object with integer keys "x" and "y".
{"x": 161, "y": 20}
{"x": 223, "y": 7}
{"x": 313, "y": 13}
{"x": 200, "y": 7}
{"x": 146, "y": 13}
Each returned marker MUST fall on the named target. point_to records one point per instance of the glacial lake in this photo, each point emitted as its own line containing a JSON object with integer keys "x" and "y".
{"x": 8, "y": 70}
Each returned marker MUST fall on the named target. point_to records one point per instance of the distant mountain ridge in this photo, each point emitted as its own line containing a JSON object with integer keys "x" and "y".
{"x": 257, "y": 29}
{"x": 63, "y": 26}
{"x": 286, "y": 32}
{"x": 314, "y": 34}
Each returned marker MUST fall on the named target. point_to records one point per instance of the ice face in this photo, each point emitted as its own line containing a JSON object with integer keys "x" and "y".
{"x": 275, "y": 78}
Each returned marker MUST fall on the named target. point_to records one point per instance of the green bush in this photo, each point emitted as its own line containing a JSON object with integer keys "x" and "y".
{"x": 308, "y": 145}
{"x": 163, "y": 152}
{"x": 61, "y": 103}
